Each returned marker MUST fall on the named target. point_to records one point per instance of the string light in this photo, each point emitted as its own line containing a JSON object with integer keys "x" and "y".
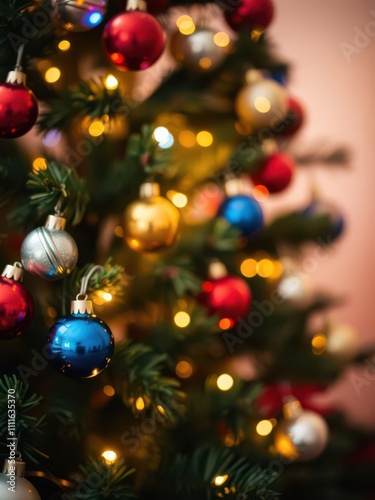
{"x": 278, "y": 270}
{"x": 221, "y": 39}
{"x": 178, "y": 199}
{"x": 109, "y": 456}
{"x": 161, "y": 134}
{"x": 140, "y": 404}
{"x": 204, "y": 139}
{"x": 262, "y": 104}
{"x": 108, "y": 390}
{"x": 319, "y": 344}
{"x": 64, "y": 45}
{"x": 264, "y": 427}
{"x": 187, "y": 139}
{"x": 185, "y": 25}
{"x": 225, "y": 382}
{"x": 111, "y": 82}
{"x": 264, "y": 268}
{"x": 39, "y": 164}
{"x": 52, "y": 75}
{"x": 107, "y": 296}
{"x": 184, "y": 369}
{"x": 161, "y": 410}
{"x": 96, "y": 128}
{"x": 205, "y": 63}
{"x": 249, "y": 268}
{"x": 226, "y": 323}
{"x": 182, "y": 319}
{"x": 219, "y": 480}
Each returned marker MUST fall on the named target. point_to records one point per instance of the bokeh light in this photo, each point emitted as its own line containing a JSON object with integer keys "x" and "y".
{"x": 204, "y": 138}
{"x": 319, "y": 344}
{"x": 262, "y": 104}
{"x": 64, "y": 45}
{"x": 52, "y": 75}
{"x": 184, "y": 369}
{"x": 221, "y": 39}
{"x": 111, "y": 82}
{"x": 264, "y": 427}
{"x": 249, "y": 268}
{"x": 225, "y": 382}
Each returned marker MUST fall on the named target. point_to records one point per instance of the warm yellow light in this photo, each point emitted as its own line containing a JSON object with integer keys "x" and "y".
{"x": 256, "y": 34}
{"x": 265, "y": 268}
{"x": 262, "y": 104}
{"x": 109, "y": 456}
{"x": 184, "y": 369}
{"x": 264, "y": 427}
{"x": 187, "y": 139}
{"x": 204, "y": 139}
{"x": 219, "y": 480}
{"x": 179, "y": 200}
{"x": 52, "y": 75}
{"x": 94, "y": 372}
{"x": 119, "y": 232}
{"x": 111, "y": 82}
{"x": 185, "y": 25}
{"x": 249, "y": 268}
{"x": 225, "y": 382}
{"x": 39, "y": 164}
{"x": 96, "y": 128}
{"x": 260, "y": 193}
{"x": 319, "y": 343}
{"x": 140, "y": 404}
{"x": 182, "y": 319}
{"x": 64, "y": 45}
{"x": 285, "y": 447}
{"x": 161, "y": 410}
{"x": 107, "y": 296}
{"x": 226, "y": 323}
{"x": 108, "y": 390}
{"x": 278, "y": 270}
{"x": 205, "y": 63}
{"x": 221, "y": 39}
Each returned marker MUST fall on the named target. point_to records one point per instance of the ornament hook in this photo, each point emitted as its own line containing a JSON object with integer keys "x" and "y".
{"x": 58, "y": 207}
{"x": 18, "y": 66}
{"x": 85, "y": 283}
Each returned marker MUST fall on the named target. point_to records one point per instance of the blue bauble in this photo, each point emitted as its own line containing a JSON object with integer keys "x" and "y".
{"x": 80, "y": 345}
{"x": 242, "y": 212}
{"x": 320, "y": 208}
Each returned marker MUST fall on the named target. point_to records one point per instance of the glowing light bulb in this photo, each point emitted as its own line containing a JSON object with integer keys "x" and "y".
{"x": 161, "y": 134}
{"x": 185, "y": 25}
{"x": 249, "y": 268}
{"x": 204, "y": 139}
{"x": 264, "y": 427}
{"x": 140, "y": 404}
{"x": 184, "y": 369}
{"x": 178, "y": 199}
{"x": 221, "y": 39}
{"x": 265, "y": 268}
{"x": 64, "y": 45}
{"x": 319, "y": 344}
{"x": 108, "y": 390}
{"x": 107, "y": 296}
{"x": 187, "y": 139}
{"x": 96, "y": 128}
{"x": 219, "y": 480}
{"x": 52, "y": 75}
{"x": 226, "y": 323}
{"x": 111, "y": 82}
{"x": 39, "y": 164}
{"x": 109, "y": 456}
{"x": 225, "y": 382}
{"x": 182, "y": 319}
{"x": 95, "y": 18}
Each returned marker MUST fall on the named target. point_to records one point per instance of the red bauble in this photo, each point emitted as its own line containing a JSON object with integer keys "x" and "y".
{"x": 16, "y": 308}
{"x": 228, "y": 297}
{"x": 133, "y": 40}
{"x": 275, "y": 172}
{"x": 295, "y": 117}
{"x": 156, "y": 7}
{"x": 249, "y": 14}
{"x": 18, "y": 110}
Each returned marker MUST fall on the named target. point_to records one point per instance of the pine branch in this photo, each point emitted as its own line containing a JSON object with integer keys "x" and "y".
{"x": 57, "y": 182}
{"x": 111, "y": 482}
{"x": 26, "y": 424}
{"x": 138, "y": 371}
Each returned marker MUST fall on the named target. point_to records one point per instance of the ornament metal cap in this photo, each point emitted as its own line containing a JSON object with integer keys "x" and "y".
{"x": 292, "y": 407}
{"x": 16, "y": 468}
{"x": 14, "y": 272}
{"x": 149, "y": 190}
{"x": 55, "y": 222}
{"x": 16, "y": 76}
{"x": 234, "y": 186}
{"x": 79, "y": 306}
{"x": 136, "y": 5}
{"x": 217, "y": 270}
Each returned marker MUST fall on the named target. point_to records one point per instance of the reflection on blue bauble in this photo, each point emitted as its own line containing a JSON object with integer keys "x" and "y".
{"x": 80, "y": 345}
{"x": 242, "y": 212}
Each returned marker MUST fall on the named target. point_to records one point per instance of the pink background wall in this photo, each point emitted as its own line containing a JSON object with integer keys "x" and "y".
{"x": 340, "y": 101}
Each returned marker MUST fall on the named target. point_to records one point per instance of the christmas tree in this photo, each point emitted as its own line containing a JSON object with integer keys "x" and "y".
{"x": 160, "y": 336}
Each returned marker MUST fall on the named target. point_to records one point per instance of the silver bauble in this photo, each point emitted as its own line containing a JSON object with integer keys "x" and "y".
{"x": 301, "y": 437}
{"x": 49, "y": 252}
{"x": 261, "y": 104}
{"x": 198, "y": 51}
{"x": 76, "y": 15}
{"x": 20, "y": 488}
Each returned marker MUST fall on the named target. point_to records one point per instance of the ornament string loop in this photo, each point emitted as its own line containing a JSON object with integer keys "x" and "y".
{"x": 85, "y": 283}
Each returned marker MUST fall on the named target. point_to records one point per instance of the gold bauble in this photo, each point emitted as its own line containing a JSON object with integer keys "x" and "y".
{"x": 303, "y": 435}
{"x": 262, "y": 104}
{"x": 151, "y": 223}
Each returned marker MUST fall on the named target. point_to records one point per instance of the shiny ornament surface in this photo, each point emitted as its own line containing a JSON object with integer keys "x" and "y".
{"x": 151, "y": 224}
{"x": 76, "y": 15}
{"x": 228, "y": 297}
{"x": 133, "y": 40}
{"x": 23, "y": 489}
{"x": 242, "y": 212}
{"x": 80, "y": 345}
{"x": 16, "y": 308}
{"x": 295, "y": 118}
{"x": 335, "y": 221}
{"x": 302, "y": 437}
{"x": 18, "y": 110}
{"x": 275, "y": 173}
{"x": 262, "y": 104}
{"x": 197, "y": 51}
{"x": 49, "y": 253}
{"x": 249, "y": 14}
